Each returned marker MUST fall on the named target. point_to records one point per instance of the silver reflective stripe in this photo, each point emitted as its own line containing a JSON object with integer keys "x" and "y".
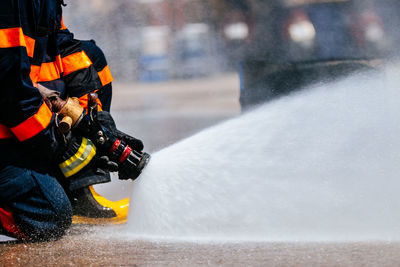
{"x": 77, "y": 162}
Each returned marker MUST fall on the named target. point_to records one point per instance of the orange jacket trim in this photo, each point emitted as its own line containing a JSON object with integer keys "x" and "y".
{"x": 105, "y": 76}
{"x": 34, "y": 74}
{"x": 5, "y": 132}
{"x": 44, "y": 73}
{"x": 33, "y": 125}
{"x": 47, "y": 71}
{"x": 63, "y": 27}
{"x": 76, "y": 61}
{"x": 14, "y": 37}
{"x": 30, "y": 45}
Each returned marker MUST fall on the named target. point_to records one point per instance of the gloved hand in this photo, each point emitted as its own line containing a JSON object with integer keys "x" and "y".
{"x": 107, "y": 121}
{"x": 121, "y": 148}
{"x": 104, "y": 163}
{"x": 135, "y": 160}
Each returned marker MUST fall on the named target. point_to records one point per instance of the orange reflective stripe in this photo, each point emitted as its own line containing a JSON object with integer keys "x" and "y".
{"x": 15, "y": 37}
{"x": 49, "y": 72}
{"x": 83, "y": 101}
{"x": 63, "y": 27}
{"x": 76, "y": 61}
{"x": 105, "y": 76}
{"x": 33, "y": 125}
{"x": 12, "y": 37}
{"x": 34, "y": 75}
{"x": 30, "y": 45}
{"x": 5, "y": 132}
{"x": 59, "y": 64}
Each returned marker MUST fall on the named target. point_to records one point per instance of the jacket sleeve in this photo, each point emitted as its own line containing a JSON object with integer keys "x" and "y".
{"x": 79, "y": 73}
{"x": 22, "y": 109}
{"x": 85, "y": 69}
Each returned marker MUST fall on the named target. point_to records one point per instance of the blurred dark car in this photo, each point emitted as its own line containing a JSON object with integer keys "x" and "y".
{"x": 297, "y": 43}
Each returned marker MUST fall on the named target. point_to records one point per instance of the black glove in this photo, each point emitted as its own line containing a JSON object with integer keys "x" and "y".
{"x": 107, "y": 121}
{"x": 137, "y": 160}
{"x": 105, "y": 163}
{"x": 121, "y": 148}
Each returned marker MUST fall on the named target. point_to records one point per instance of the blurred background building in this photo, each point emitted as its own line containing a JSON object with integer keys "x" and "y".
{"x": 158, "y": 40}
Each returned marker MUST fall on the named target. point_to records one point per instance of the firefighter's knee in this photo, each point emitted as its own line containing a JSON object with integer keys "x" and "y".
{"x": 48, "y": 223}
{"x": 56, "y": 222}
{"x": 48, "y": 213}
{"x": 36, "y": 205}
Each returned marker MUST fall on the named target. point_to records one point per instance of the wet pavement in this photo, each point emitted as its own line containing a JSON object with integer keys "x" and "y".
{"x": 91, "y": 249}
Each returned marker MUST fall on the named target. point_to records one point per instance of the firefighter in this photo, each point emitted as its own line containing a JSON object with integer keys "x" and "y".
{"x": 46, "y": 177}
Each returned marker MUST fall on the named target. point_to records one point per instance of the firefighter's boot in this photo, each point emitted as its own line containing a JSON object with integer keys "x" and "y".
{"x": 89, "y": 207}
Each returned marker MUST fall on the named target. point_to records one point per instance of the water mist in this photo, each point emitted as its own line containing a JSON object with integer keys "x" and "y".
{"x": 322, "y": 164}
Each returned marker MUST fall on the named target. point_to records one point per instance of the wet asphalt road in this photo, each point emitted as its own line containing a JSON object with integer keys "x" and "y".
{"x": 83, "y": 247}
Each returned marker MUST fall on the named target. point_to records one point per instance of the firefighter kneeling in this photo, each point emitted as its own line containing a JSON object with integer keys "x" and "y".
{"x": 47, "y": 175}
